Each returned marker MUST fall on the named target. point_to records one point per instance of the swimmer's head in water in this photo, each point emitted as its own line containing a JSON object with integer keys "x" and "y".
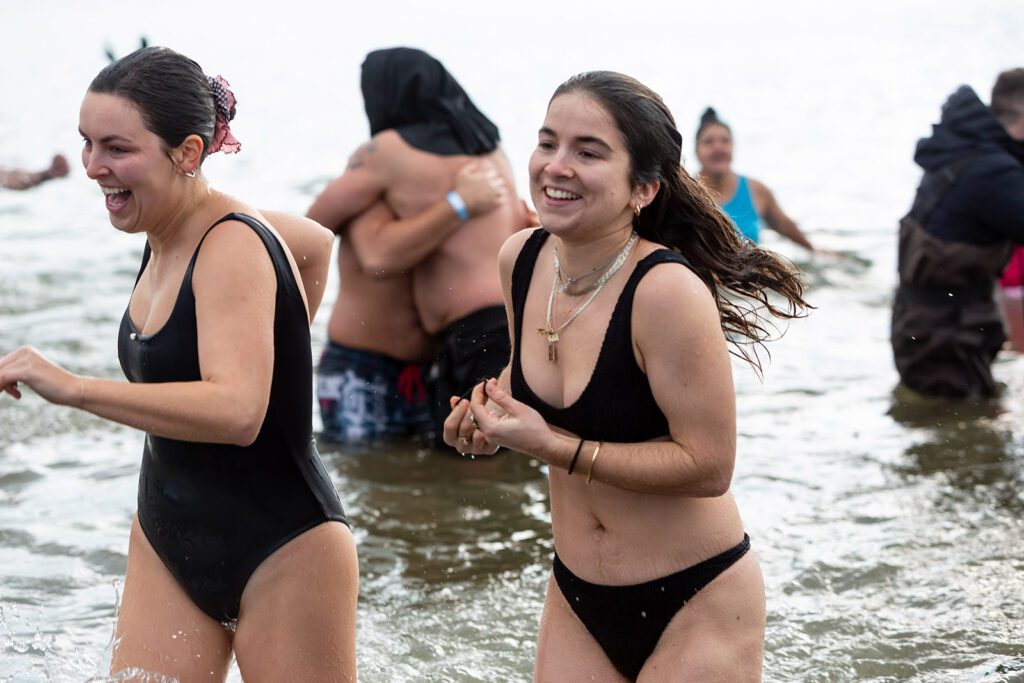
{"x": 170, "y": 91}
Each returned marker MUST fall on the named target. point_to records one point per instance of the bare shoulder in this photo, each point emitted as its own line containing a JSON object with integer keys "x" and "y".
{"x": 233, "y": 233}
{"x": 232, "y": 251}
{"x": 275, "y": 217}
{"x": 375, "y": 151}
{"x": 510, "y": 250}
{"x": 759, "y": 189}
{"x": 285, "y": 224}
{"x": 364, "y": 154}
{"x": 672, "y": 298}
{"x": 499, "y": 157}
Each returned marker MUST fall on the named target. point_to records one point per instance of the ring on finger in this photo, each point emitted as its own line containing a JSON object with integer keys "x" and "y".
{"x": 472, "y": 421}
{"x": 464, "y": 440}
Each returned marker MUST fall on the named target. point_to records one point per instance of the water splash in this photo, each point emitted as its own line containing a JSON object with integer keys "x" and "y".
{"x": 102, "y": 666}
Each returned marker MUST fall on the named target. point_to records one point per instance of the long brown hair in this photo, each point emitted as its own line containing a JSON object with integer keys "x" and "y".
{"x": 685, "y": 217}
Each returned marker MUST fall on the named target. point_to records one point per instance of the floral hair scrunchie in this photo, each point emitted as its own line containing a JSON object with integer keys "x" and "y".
{"x": 223, "y": 140}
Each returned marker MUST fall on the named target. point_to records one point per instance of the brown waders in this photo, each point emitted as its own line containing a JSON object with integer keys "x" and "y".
{"x": 946, "y": 327}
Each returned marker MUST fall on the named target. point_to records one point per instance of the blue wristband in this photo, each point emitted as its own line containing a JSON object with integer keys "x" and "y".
{"x": 458, "y": 205}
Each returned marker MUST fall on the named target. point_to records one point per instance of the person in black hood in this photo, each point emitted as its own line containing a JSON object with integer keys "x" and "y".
{"x": 411, "y": 92}
{"x": 423, "y": 208}
{"x": 956, "y": 240}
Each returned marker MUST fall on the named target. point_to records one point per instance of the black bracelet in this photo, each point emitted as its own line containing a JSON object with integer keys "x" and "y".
{"x": 576, "y": 456}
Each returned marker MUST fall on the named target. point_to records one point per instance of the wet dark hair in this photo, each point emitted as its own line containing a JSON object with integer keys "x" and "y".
{"x": 1008, "y": 95}
{"x": 170, "y": 91}
{"x": 710, "y": 118}
{"x": 684, "y": 216}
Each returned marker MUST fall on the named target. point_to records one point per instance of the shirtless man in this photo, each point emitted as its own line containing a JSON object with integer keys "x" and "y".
{"x": 426, "y": 206}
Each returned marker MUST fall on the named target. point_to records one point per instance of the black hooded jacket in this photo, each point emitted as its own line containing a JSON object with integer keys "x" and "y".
{"x": 986, "y": 205}
{"x": 409, "y": 91}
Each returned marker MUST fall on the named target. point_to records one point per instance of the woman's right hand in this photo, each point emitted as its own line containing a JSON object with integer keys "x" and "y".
{"x": 49, "y": 380}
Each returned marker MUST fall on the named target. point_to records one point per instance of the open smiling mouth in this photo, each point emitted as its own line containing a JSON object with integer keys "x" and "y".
{"x": 116, "y": 197}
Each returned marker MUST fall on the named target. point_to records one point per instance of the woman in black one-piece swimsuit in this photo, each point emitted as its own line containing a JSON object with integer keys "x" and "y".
{"x": 240, "y": 543}
{"x": 620, "y": 381}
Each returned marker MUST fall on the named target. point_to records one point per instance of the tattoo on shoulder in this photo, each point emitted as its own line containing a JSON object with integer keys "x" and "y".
{"x": 358, "y": 157}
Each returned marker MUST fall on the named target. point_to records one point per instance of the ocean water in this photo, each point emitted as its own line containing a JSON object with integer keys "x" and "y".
{"x": 889, "y": 530}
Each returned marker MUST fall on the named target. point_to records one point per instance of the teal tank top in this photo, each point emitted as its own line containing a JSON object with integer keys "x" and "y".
{"x": 740, "y": 209}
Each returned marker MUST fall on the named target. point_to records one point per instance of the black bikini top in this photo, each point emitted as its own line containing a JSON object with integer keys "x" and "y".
{"x": 617, "y": 404}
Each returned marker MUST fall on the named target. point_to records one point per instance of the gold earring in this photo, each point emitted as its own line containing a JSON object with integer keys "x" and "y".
{"x": 636, "y": 209}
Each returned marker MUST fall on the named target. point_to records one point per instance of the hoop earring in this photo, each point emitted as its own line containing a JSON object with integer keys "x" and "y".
{"x": 636, "y": 209}
{"x": 192, "y": 174}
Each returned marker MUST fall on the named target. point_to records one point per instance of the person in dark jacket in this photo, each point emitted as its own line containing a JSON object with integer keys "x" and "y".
{"x": 956, "y": 240}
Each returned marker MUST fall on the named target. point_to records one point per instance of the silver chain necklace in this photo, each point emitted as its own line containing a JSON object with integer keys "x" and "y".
{"x": 549, "y": 331}
{"x": 566, "y": 281}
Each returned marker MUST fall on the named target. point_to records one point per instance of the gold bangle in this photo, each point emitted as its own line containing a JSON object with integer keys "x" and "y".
{"x": 593, "y": 459}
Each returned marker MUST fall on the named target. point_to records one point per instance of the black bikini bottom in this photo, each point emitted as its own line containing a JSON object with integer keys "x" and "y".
{"x": 627, "y": 621}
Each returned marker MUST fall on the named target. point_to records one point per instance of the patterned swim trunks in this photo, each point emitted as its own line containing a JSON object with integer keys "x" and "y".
{"x": 367, "y": 396}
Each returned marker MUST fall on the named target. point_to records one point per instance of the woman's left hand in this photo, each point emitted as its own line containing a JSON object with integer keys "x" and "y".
{"x": 513, "y": 424}
{"x": 461, "y": 433}
{"x": 52, "y": 382}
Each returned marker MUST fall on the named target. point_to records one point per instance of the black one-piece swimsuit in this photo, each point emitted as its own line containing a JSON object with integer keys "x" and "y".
{"x": 214, "y": 512}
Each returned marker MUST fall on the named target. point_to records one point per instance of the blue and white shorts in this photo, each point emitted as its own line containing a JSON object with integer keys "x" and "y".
{"x": 367, "y": 396}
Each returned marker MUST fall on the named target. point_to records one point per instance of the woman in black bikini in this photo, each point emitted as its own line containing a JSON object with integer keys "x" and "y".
{"x": 620, "y": 381}
{"x": 238, "y": 524}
